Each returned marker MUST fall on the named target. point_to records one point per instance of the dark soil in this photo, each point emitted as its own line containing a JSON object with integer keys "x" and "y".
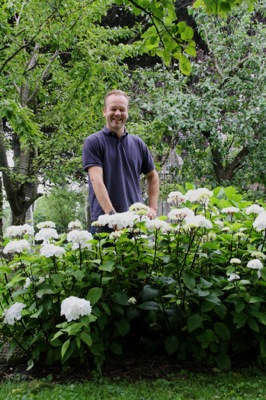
{"x": 131, "y": 366}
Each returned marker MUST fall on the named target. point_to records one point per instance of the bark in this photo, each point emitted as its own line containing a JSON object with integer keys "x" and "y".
{"x": 225, "y": 174}
{"x": 21, "y": 192}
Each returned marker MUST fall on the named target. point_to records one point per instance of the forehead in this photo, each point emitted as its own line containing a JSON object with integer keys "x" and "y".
{"x": 116, "y": 100}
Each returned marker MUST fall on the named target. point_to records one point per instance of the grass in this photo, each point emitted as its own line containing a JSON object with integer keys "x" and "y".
{"x": 248, "y": 384}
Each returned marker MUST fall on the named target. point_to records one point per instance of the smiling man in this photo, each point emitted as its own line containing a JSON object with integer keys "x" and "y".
{"x": 115, "y": 161}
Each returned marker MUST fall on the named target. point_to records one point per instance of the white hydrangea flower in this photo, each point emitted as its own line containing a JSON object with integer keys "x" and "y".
{"x": 27, "y": 283}
{"x": 233, "y": 277}
{"x": 73, "y": 308}
{"x": 255, "y": 264}
{"x": 74, "y": 225}
{"x": 120, "y": 220}
{"x": 115, "y": 235}
{"x": 260, "y": 222}
{"x": 50, "y": 250}
{"x": 132, "y": 300}
{"x": 178, "y": 214}
{"x": 156, "y": 224}
{"x": 45, "y": 234}
{"x": 46, "y": 224}
{"x": 176, "y": 198}
{"x": 230, "y": 210}
{"x": 235, "y": 261}
{"x": 258, "y": 254}
{"x": 139, "y": 208}
{"x": 16, "y": 246}
{"x": 254, "y": 209}
{"x": 201, "y": 195}
{"x": 79, "y": 238}
{"x": 198, "y": 221}
{"x": 19, "y": 230}
{"x": 13, "y": 313}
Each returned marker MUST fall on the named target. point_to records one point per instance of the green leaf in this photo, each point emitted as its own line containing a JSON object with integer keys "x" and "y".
{"x": 194, "y": 322}
{"x": 86, "y": 338}
{"x": 223, "y": 361}
{"x": 116, "y": 348}
{"x": 107, "y": 266}
{"x": 207, "y": 306}
{"x": 185, "y": 65}
{"x": 123, "y": 327}
{"x": 37, "y": 313}
{"x": 189, "y": 279}
{"x": 252, "y": 323}
{"x": 255, "y": 299}
{"x": 222, "y": 331}
{"x": 94, "y": 295}
{"x": 213, "y": 299}
{"x": 120, "y": 298}
{"x": 65, "y": 348}
{"x": 149, "y": 292}
{"x": 171, "y": 344}
{"x": 187, "y": 34}
{"x": 149, "y": 305}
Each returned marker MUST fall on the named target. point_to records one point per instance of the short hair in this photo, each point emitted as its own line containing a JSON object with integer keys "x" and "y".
{"x": 115, "y": 92}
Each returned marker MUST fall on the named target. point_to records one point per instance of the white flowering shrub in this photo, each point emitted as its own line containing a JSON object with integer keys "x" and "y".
{"x": 194, "y": 279}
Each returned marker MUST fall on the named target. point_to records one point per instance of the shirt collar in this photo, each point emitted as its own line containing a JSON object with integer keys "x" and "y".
{"x": 107, "y": 131}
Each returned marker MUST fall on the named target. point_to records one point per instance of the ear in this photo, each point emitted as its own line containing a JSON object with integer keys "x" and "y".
{"x": 104, "y": 111}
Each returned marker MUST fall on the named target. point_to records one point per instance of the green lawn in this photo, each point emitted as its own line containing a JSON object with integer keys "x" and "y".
{"x": 183, "y": 386}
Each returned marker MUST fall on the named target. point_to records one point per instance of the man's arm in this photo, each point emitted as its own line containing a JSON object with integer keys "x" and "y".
{"x": 153, "y": 192}
{"x": 96, "y": 178}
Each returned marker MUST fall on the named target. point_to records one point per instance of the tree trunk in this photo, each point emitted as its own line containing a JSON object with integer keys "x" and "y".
{"x": 20, "y": 184}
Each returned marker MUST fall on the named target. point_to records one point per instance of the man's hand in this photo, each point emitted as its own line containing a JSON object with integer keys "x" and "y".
{"x": 152, "y": 213}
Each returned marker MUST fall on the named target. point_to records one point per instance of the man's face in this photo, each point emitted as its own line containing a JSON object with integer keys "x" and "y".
{"x": 116, "y": 113}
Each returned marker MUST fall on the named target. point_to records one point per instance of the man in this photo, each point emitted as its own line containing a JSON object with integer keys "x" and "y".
{"x": 115, "y": 161}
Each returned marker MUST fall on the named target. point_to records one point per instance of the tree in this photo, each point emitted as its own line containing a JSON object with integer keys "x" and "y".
{"x": 61, "y": 205}
{"x": 215, "y": 117}
{"x": 57, "y": 60}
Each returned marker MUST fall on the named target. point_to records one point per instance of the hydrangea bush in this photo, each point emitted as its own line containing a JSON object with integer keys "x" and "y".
{"x": 193, "y": 281}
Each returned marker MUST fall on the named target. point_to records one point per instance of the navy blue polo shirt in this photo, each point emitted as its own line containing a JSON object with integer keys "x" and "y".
{"x": 123, "y": 160}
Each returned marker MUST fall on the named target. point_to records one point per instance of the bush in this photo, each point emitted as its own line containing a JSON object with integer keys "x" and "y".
{"x": 193, "y": 282}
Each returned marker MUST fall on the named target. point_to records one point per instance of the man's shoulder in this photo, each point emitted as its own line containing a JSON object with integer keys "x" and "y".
{"x": 95, "y": 135}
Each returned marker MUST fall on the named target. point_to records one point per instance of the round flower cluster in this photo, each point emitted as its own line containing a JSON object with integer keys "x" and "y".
{"x": 16, "y": 246}
{"x": 73, "y": 308}
{"x": 19, "y": 230}
{"x": 79, "y": 239}
{"x": 13, "y": 314}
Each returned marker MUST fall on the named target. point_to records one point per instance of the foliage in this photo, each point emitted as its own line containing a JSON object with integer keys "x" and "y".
{"x": 57, "y": 61}
{"x": 214, "y": 119}
{"x": 195, "y": 284}
{"x": 61, "y": 205}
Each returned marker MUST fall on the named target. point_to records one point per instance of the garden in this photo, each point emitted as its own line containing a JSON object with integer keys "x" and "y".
{"x": 190, "y": 285}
